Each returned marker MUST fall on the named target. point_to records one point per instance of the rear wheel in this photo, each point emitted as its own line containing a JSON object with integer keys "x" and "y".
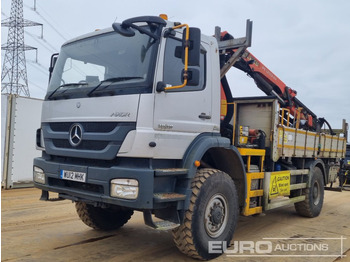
{"x": 212, "y": 215}
{"x": 312, "y": 205}
{"x": 103, "y": 218}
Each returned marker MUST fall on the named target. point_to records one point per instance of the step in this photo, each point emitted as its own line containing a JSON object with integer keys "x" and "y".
{"x": 283, "y": 202}
{"x": 165, "y": 225}
{"x": 45, "y": 197}
{"x": 298, "y": 186}
{"x": 168, "y": 197}
{"x": 171, "y": 172}
{"x": 160, "y": 225}
{"x": 256, "y": 193}
{"x": 252, "y": 211}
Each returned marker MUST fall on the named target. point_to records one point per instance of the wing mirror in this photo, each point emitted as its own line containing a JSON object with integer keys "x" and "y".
{"x": 53, "y": 61}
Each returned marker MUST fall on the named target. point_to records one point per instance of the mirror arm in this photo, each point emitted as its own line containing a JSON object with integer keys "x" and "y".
{"x": 169, "y": 32}
{"x": 185, "y": 74}
{"x": 143, "y": 31}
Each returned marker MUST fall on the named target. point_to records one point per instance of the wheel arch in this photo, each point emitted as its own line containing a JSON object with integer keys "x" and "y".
{"x": 217, "y": 152}
{"x": 230, "y": 161}
{"x": 311, "y": 164}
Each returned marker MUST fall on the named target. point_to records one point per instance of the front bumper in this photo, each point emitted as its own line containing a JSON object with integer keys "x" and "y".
{"x": 97, "y": 185}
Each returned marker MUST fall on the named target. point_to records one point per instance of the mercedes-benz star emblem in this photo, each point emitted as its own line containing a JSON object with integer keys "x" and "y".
{"x": 75, "y": 134}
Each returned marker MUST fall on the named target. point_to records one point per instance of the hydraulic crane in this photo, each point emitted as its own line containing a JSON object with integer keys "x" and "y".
{"x": 270, "y": 84}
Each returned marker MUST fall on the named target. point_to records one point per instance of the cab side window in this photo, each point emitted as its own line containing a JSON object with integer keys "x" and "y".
{"x": 173, "y": 67}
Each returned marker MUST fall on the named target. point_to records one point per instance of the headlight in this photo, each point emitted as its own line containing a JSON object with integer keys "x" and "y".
{"x": 125, "y": 188}
{"x": 38, "y": 175}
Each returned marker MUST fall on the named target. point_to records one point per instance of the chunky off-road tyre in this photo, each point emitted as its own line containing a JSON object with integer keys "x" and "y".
{"x": 212, "y": 215}
{"x": 103, "y": 218}
{"x": 312, "y": 205}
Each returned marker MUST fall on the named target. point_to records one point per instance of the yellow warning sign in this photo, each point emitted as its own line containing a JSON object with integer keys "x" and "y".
{"x": 279, "y": 184}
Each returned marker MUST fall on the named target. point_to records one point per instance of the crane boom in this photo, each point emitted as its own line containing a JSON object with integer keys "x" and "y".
{"x": 270, "y": 84}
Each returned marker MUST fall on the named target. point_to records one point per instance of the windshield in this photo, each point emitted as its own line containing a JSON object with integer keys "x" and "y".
{"x": 105, "y": 64}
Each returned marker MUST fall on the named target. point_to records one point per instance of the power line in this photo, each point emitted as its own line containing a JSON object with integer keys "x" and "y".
{"x": 52, "y": 26}
{"x": 52, "y": 49}
{"x": 43, "y": 89}
{"x": 55, "y": 22}
{"x": 38, "y": 64}
{"x": 46, "y": 19}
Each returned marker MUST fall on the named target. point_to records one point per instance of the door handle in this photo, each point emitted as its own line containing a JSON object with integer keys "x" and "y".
{"x": 204, "y": 116}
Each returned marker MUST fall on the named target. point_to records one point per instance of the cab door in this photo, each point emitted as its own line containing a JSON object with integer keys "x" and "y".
{"x": 186, "y": 110}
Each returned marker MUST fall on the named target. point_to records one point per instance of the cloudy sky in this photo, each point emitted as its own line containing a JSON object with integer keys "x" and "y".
{"x": 305, "y": 43}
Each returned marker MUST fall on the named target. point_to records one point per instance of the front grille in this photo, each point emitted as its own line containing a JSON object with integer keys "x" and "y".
{"x": 75, "y": 185}
{"x": 84, "y": 145}
{"x": 93, "y": 127}
{"x": 99, "y": 140}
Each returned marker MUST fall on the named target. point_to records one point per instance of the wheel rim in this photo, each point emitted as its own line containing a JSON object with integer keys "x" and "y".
{"x": 316, "y": 193}
{"x": 216, "y": 215}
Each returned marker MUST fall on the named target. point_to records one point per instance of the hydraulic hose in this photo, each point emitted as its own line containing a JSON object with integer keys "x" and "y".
{"x": 229, "y": 100}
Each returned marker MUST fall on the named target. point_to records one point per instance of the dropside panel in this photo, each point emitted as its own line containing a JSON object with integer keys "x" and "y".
{"x": 294, "y": 142}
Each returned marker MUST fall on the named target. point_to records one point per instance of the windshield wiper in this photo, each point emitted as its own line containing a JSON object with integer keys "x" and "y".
{"x": 113, "y": 80}
{"x": 64, "y": 85}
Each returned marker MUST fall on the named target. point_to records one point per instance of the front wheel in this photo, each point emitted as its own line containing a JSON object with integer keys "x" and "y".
{"x": 110, "y": 218}
{"x": 212, "y": 215}
{"x": 312, "y": 205}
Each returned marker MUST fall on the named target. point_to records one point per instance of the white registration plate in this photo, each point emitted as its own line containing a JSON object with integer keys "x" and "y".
{"x": 73, "y": 175}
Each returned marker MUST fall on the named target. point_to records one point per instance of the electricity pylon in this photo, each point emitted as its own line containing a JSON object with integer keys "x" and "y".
{"x": 14, "y": 71}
